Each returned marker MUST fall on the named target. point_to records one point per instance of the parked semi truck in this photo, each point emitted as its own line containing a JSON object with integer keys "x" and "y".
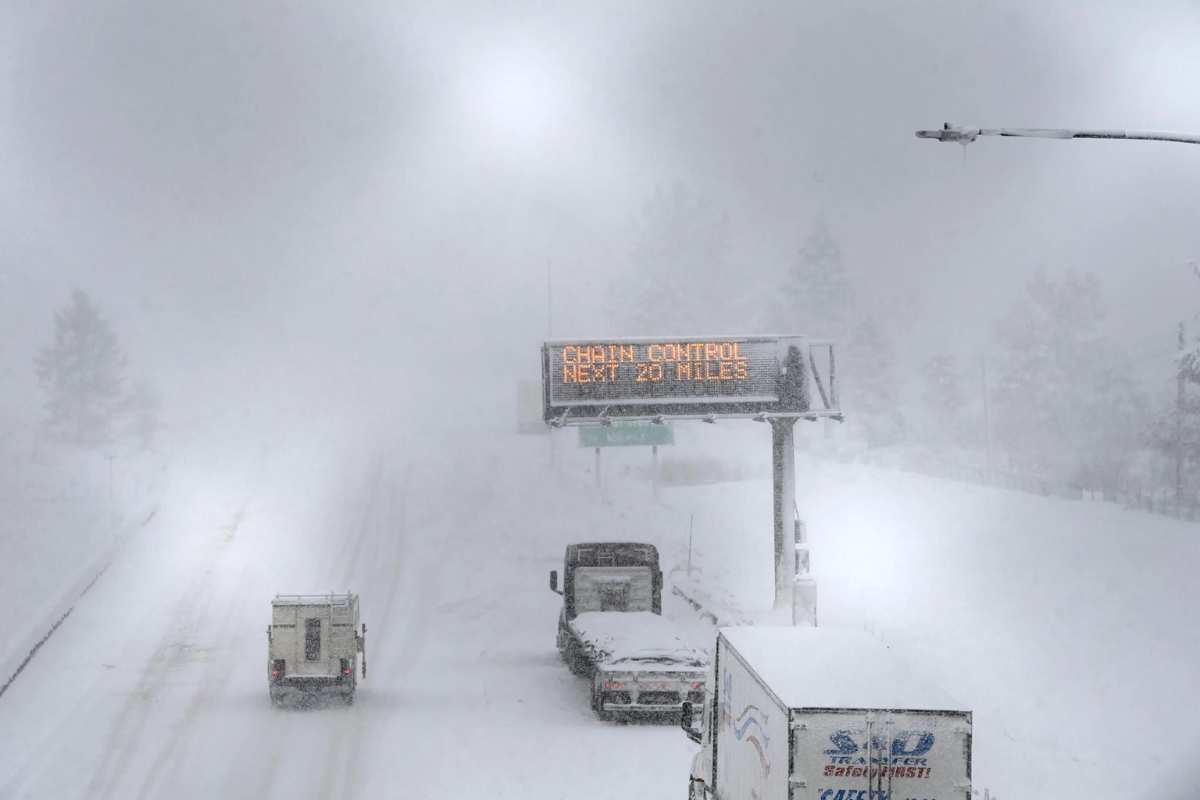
{"x": 610, "y": 629}
{"x": 314, "y": 643}
{"x": 822, "y": 714}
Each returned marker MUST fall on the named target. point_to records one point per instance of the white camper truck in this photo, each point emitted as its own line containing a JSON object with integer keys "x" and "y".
{"x": 823, "y": 714}
{"x": 313, "y": 644}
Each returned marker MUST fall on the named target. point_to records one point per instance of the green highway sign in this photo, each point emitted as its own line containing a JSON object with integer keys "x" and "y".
{"x": 626, "y": 434}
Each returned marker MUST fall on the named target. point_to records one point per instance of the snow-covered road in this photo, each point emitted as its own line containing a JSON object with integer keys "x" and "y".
{"x": 155, "y": 686}
{"x": 1064, "y": 626}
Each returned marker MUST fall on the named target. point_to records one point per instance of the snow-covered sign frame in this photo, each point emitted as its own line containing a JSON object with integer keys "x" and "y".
{"x": 597, "y": 381}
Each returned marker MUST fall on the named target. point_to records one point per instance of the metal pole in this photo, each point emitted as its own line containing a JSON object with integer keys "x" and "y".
{"x": 598, "y": 484}
{"x": 964, "y": 136}
{"x": 987, "y": 417}
{"x": 783, "y": 479}
{"x": 550, "y": 335}
{"x": 654, "y": 470}
{"x": 1180, "y": 399}
{"x": 112, "y": 501}
{"x": 691, "y": 524}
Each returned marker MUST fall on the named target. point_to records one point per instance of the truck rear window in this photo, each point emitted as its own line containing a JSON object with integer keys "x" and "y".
{"x": 312, "y": 640}
{"x": 614, "y": 595}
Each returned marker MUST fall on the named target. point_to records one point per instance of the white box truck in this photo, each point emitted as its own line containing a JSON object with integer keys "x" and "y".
{"x": 314, "y": 643}
{"x": 823, "y": 714}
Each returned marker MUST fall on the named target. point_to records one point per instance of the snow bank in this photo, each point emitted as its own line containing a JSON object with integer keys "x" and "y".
{"x": 64, "y": 515}
{"x": 1056, "y": 622}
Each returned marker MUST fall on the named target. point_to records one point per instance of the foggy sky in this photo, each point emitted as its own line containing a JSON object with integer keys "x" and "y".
{"x": 327, "y": 199}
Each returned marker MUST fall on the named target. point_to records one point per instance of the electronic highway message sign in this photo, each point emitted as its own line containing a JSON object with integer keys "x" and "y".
{"x": 598, "y": 379}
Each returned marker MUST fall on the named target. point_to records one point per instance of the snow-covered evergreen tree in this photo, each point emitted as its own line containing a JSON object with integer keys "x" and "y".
{"x": 679, "y": 284}
{"x": 1174, "y": 430}
{"x": 871, "y": 389}
{"x": 1065, "y": 404}
{"x": 815, "y": 296}
{"x": 942, "y": 398}
{"x": 82, "y": 372}
{"x": 144, "y": 406}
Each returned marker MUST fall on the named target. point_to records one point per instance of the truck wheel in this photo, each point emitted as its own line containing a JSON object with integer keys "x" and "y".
{"x": 276, "y": 698}
{"x": 598, "y": 708}
{"x": 575, "y": 660}
{"x": 348, "y": 699}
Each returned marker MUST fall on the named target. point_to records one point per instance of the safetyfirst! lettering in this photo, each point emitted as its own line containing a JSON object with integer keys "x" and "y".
{"x": 905, "y": 756}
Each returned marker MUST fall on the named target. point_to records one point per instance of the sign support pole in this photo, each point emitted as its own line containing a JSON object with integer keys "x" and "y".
{"x": 598, "y": 485}
{"x": 783, "y": 479}
{"x": 654, "y": 471}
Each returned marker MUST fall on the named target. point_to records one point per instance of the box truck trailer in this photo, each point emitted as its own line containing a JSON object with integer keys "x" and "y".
{"x": 823, "y": 714}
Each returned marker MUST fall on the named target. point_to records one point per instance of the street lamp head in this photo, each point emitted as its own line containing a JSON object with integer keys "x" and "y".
{"x": 950, "y": 133}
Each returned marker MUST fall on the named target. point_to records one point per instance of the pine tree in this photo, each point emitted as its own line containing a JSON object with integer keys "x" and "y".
{"x": 942, "y": 397}
{"x": 82, "y": 373}
{"x": 871, "y": 390}
{"x": 679, "y": 284}
{"x": 144, "y": 406}
{"x": 1065, "y": 404}
{"x": 1174, "y": 430}
{"x": 815, "y": 296}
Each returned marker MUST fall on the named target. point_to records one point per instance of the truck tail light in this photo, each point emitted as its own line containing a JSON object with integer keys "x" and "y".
{"x": 698, "y": 685}
{"x": 613, "y": 685}
{"x": 277, "y": 668}
{"x": 346, "y": 668}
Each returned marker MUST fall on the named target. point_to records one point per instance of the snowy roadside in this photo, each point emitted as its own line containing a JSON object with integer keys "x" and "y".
{"x": 1064, "y": 615}
{"x": 62, "y": 526}
{"x": 707, "y": 598}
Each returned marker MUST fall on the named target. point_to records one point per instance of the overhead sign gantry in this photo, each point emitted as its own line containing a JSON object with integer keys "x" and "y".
{"x": 775, "y": 379}
{"x": 596, "y": 381}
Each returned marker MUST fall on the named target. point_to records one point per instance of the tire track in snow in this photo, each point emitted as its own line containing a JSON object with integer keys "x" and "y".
{"x": 249, "y": 760}
{"x": 336, "y": 765}
{"x": 98, "y": 569}
{"x": 170, "y": 656}
{"x": 368, "y": 518}
{"x": 389, "y": 572}
{"x": 420, "y": 576}
{"x": 215, "y": 679}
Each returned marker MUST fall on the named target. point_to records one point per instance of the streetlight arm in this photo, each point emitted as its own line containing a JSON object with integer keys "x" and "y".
{"x": 1050, "y": 133}
{"x": 964, "y": 136}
